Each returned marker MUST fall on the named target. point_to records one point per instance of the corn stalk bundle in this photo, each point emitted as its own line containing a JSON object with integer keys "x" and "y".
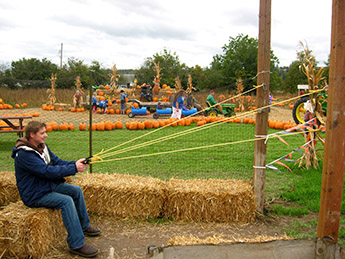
{"x": 124, "y": 196}
{"x": 210, "y": 200}
{"x": 29, "y": 232}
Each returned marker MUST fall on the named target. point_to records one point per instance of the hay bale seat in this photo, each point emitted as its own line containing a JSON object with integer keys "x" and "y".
{"x": 8, "y": 188}
{"x": 124, "y": 196}
{"x": 29, "y": 232}
{"x": 210, "y": 200}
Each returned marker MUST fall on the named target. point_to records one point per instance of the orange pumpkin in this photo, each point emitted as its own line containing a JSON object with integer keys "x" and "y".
{"x": 141, "y": 125}
{"x": 82, "y": 126}
{"x": 100, "y": 93}
{"x": 71, "y": 126}
{"x": 17, "y": 105}
{"x": 127, "y": 125}
{"x": 148, "y": 124}
{"x": 108, "y": 125}
{"x": 107, "y": 87}
{"x": 73, "y": 109}
{"x": 118, "y": 125}
{"x": 155, "y": 124}
{"x": 100, "y": 126}
{"x": 133, "y": 125}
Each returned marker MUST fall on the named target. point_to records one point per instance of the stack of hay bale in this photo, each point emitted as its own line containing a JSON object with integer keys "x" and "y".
{"x": 31, "y": 232}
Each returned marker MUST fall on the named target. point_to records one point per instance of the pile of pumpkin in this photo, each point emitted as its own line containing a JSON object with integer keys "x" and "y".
{"x": 9, "y": 106}
{"x": 281, "y": 125}
{"x": 35, "y": 114}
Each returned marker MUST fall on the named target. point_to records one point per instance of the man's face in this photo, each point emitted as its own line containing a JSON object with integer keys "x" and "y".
{"x": 39, "y": 137}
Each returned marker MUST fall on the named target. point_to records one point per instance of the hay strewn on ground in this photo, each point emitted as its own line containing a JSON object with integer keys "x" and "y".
{"x": 215, "y": 240}
{"x": 123, "y": 195}
{"x": 210, "y": 200}
{"x": 8, "y": 188}
{"x": 27, "y": 232}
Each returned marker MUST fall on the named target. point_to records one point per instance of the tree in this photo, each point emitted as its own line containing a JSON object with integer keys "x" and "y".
{"x": 171, "y": 68}
{"x": 24, "y": 71}
{"x": 239, "y": 59}
{"x": 294, "y": 77}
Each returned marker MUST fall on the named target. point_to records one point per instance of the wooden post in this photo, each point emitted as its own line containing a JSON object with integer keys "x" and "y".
{"x": 264, "y": 58}
{"x": 334, "y": 155}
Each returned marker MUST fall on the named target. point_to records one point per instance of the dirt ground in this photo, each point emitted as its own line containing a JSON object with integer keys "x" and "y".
{"x": 130, "y": 238}
{"x": 277, "y": 113}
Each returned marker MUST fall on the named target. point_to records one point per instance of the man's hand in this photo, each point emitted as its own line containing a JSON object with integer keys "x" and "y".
{"x": 80, "y": 166}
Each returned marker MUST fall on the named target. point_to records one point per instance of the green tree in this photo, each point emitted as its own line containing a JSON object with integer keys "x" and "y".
{"x": 239, "y": 59}
{"x": 32, "y": 69}
{"x": 170, "y": 65}
{"x": 293, "y": 77}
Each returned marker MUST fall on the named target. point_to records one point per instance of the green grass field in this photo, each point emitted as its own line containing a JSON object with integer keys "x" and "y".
{"x": 301, "y": 187}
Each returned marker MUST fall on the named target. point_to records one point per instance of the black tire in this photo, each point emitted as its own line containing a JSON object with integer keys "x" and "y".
{"x": 156, "y": 115}
{"x": 297, "y": 113}
{"x": 212, "y": 113}
{"x": 131, "y": 115}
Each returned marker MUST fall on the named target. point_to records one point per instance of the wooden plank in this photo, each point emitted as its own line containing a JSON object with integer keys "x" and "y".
{"x": 334, "y": 154}
{"x": 264, "y": 57}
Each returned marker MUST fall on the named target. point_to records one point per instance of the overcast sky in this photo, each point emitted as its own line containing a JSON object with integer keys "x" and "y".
{"x": 125, "y": 32}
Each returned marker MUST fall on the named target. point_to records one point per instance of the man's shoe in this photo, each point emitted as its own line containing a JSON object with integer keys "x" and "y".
{"x": 85, "y": 251}
{"x": 91, "y": 231}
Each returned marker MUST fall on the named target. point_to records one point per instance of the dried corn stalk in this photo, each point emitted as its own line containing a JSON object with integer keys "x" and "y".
{"x": 239, "y": 83}
{"x": 315, "y": 80}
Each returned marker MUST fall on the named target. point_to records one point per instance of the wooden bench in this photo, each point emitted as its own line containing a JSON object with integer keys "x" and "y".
{"x": 14, "y": 128}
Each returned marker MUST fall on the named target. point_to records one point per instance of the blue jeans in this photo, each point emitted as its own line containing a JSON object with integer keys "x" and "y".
{"x": 70, "y": 199}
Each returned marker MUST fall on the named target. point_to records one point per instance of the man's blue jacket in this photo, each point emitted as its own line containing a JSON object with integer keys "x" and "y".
{"x": 37, "y": 170}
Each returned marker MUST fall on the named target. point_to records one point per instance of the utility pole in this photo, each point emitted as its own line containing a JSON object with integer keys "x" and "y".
{"x": 264, "y": 59}
{"x": 61, "y": 55}
{"x": 334, "y": 154}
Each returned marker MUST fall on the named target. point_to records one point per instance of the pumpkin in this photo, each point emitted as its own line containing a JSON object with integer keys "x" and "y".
{"x": 108, "y": 125}
{"x": 93, "y": 127}
{"x": 82, "y": 126}
{"x": 200, "y": 123}
{"x": 148, "y": 124}
{"x": 118, "y": 101}
{"x": 161, "y": 123}
{"x": 17, "y": 105}
{"x": 63, "y": 126}
{"x": 49, "y": 128}
{"x": 100, "y": 93}
{"x": 118, "y": 125}
{"x": 107, "y": 87}
{"x": 245, "y": 120}
{"x": 1, "y": 101}
{"x": 100, "y": 126}
{"x": 71, "y": 126}
{"x": 155, "y": 124}
{"x": 133, "y": 125}
{"x": 36, "y": 114}
{"x": 127, "y": 125}
{"x": 111, "y": 111}
{"x": 141, "y": 125}
{"x": 237, "y": 120}
{"x": 128, "y": 111}
{"x": 181, "y": 122}
{"x": 117, "y": 111}
{"x": 78, "y": 110}
{"x": 73, "y": 109}
{"x": 136, "y": 105}
{"x": 155, "y": 99}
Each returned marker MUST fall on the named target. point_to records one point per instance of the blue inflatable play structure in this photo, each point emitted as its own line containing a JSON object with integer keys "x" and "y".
{"x": 135, "y": 111}
{"x": 168, "y": 111}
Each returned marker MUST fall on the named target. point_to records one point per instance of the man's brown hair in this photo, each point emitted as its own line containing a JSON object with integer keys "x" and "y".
{"x": 33, "y": 127}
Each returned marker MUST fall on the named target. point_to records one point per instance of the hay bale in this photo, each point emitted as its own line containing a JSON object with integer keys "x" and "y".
{"x": 125, "y": 196}
{"x": 210, "y": 200}
{"x": 29, "y": 232}
{"x": 8, "y": 188}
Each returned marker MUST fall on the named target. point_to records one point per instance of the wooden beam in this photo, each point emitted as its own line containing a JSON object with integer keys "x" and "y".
{"x": 334, "y": 154}
{"x": 264, "y": 58}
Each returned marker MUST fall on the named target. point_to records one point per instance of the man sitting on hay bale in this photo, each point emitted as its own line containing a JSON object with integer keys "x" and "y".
{"x": 39, "y": 175}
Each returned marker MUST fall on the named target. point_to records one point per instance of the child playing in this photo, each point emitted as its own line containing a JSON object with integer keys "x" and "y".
{"x": 123, "y": 101}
